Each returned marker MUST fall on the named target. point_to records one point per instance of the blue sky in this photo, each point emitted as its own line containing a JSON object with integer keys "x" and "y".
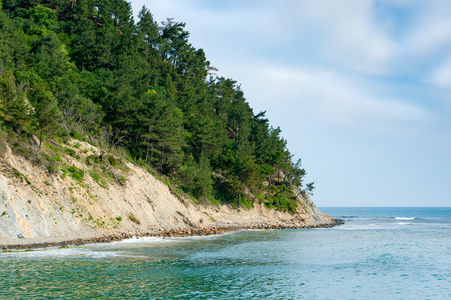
{"x": 360, "y": 88}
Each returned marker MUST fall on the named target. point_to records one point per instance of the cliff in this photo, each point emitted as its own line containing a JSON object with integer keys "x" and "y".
{"x": 36, "y": 206}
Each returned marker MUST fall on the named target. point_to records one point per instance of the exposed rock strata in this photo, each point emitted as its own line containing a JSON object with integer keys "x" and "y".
{"x": 50, "y": 207}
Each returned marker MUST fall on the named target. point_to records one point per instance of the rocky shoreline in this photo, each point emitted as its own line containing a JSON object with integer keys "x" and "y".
{"x": 198, "y": 231}
{"x": 294, "y": 225}
{"x": 52, "y": 210}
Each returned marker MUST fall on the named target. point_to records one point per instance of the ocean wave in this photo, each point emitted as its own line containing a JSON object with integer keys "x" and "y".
{"x": 60, "y": 253}
{"x": 356, "y": 218}
{"x": 349, "y": 226}
{"x": 403, "y": 218}
{"x": 131, "y": 242}
{"x": 146, "y": 241}
{"x": 136, "y": 240}
{"x": 363, "y": 228}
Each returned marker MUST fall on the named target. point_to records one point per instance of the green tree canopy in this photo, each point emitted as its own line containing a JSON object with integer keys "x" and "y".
{"x": 86, "y": 69}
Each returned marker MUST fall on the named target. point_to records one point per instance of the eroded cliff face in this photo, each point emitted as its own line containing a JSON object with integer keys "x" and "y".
{"x": 34, "y": 204}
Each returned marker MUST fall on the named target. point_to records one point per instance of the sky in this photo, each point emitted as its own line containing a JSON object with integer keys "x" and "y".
{"x": 360, "y": 88}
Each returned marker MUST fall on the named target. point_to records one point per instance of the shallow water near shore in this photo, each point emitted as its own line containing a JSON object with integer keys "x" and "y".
{"x": 396, "y": 253}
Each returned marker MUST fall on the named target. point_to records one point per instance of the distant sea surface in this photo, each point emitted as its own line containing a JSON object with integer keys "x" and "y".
{"x": 380, "y": 253}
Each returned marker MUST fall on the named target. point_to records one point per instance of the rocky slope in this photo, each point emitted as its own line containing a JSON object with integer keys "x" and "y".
{"x": 37, "y": 207}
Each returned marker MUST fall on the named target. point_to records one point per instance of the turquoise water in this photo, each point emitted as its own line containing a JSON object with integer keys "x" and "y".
{"x": 380, "y": 253}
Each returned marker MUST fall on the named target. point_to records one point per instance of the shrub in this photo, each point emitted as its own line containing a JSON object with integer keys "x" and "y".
{"x": 98, "y": 178}
{"x": 134, "y": 219}
{"x": 76, "y": 173}
{"x": 280, "y": 203}
{"x": 63, "y": 176}
{"x": 70, "y": 151}
{"x": 52, "y": 167}
{"x": 93, "y": 159}
{"x": 246, "y": 203}
{"x": 20, "y": 176}
{"x": 77, "y": 136}
{"x": 51, "y": 147}
{"x": 2, "y": 148}
{"x": 121, "y": 180}
{"x": 16, "y": 173}
{"x": 215, "y": 201}
{"x": 113, "y": 161}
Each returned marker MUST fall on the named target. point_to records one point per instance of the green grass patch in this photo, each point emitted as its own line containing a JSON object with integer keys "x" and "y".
{"x": 214, "y": 201}
{"x": 69, "y": 151}
{"x": 246, "y": 203}
{"x": 52, "y": 166}
{"x": 74, "y": 172}
{"x": 20, "y": 176}
{"x": 98, "y": 178}
{"x": 211, "y": 218}
{"x": 134, "y": 219}
{"x": 280, "y": 203}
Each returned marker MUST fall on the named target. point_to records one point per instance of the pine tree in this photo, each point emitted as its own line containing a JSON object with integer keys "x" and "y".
{"x": 46, "y": 114}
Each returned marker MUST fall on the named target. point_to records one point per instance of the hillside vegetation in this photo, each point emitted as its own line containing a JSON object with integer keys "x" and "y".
{"x": 139, "y": 92}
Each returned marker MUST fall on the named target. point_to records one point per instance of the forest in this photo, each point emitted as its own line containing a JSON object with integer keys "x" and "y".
{"x": 84, "y": 69}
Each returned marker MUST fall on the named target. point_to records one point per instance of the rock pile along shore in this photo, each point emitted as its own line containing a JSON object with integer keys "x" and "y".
{"x": 278, "y": 225}
{"x": 195, "y": 231}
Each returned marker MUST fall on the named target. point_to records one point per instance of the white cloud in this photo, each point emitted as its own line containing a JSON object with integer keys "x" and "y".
{"x": 319, "y": 68}
{"x": 353, "y": 37}
{"x": 344, "y": 28}
{"x": 333, "y": 96}
{"x": 431, "y": 31}
{"x": 353, "y": 41}
{"x": 345, "y": 33}
{"x": 442, "y": 75}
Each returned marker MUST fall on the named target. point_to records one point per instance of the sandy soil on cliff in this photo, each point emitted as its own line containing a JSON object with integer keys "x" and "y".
{"x": 51, "y": 208}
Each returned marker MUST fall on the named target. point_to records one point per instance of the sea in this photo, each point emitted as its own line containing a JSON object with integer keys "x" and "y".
{"x": 379, "y": 253}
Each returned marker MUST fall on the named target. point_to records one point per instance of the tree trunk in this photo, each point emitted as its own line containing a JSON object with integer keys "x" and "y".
{"x": 161, "y": 163}
{"x": 110, "y": 167}
{"x": 40, "y": 141}
{"x": 283, "y": 190}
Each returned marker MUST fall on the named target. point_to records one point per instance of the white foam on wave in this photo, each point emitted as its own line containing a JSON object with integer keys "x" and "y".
{"x": 42, "y": 253}
{"x": 402, "y": 218}
{"x": 140, "y": 240}
{"x": 361, "y": 227}
{"x": 100, "y": 250}
{"x": 199, "y": 237}
{"x": 401, "y": 223}
{"x": 146, "y": 241}
{"x": 56, "y": 253}
{"x": 129, "y": 243}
